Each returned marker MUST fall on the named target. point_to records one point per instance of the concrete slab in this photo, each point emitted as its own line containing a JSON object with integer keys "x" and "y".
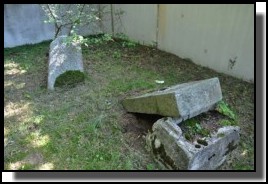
{"x": 182, "y": 101}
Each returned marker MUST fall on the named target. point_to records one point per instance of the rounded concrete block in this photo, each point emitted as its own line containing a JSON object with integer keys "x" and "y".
{"x": 63, "y": 57}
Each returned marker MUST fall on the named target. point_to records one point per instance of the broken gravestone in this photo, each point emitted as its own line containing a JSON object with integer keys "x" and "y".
{"x": 179, "y": 103}
{"x": 171, "y": 149}
{"x": 63, "y": 57}
{"x": 182, "y": 101}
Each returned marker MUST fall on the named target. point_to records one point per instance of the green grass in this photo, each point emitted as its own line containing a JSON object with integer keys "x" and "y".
{"x": 223, "y": 108}
{"x": 81, "y": 127}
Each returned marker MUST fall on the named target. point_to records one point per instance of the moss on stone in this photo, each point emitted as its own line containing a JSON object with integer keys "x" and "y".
{"x": 220, "y": 135}
{"x": 70, "y": 78}
{"x": 203, "y": 142}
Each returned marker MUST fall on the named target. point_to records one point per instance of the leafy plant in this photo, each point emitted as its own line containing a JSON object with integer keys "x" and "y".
{"x": 194, "y": 128}
{"x": 72, "y": 16}
{"x": 223, "y": 108}
{"x": 126, "y": 42}
{"x": 227, "y": 123}
{"x": 69, "y": 16}
{"x": 150, "y": 167}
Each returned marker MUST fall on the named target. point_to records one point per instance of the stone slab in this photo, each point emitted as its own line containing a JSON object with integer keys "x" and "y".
{"x": 183, "y": 101}
{"x": 170, "y": 148}
{"x": 63, "y": 58}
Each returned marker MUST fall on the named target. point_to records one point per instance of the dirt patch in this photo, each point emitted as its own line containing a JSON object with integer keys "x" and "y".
{"x": 34, "y": 159}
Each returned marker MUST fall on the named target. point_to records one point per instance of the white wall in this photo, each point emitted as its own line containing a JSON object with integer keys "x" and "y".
{"x": 139, "y": 22}
{"x": 23, "y": 24}
{"x": 210, "y": 35}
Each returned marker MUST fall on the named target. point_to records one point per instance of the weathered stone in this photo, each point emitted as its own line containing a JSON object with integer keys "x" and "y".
{"x": 183, "y": 101}
{"x": 63, "y": 57}
{"x": 170, "y": 148}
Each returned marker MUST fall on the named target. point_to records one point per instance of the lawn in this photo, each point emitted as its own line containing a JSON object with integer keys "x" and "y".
{"x": 84, "y": 127}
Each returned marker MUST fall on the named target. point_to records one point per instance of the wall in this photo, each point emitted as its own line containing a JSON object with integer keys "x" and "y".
{"x": 23, "y": 24}
{"x": 139, "y": 22}
{"x": 209, "y": 35}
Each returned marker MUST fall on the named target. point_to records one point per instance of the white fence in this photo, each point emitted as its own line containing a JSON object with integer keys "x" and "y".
{"x": 218, "y": 36}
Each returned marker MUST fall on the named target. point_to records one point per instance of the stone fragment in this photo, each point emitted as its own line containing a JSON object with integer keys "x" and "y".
{"x": 171, "y": 149}
{"x": 182, "y": 101}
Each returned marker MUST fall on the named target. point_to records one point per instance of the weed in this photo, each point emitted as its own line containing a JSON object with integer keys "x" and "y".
{"x": 225, "y": 122}
{"x": 126, "y": 42}
{"x": 194, "y": 128}
{"x": 150, "y": 167}
{"x": 223, "y": 108}
{"x": 116, "y": 55}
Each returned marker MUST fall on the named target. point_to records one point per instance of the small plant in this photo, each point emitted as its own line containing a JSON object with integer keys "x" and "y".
{"x": 226, "y": 122}
{"x": 220, "y": 135}
{"x": 223, "y": 108}
{"x": 126, "y": 42}
{"x": 194, "y": 128}
{"x": 150, "y": 167}
{"x": 116, "y": 55}
{"x": 99, "y": 39}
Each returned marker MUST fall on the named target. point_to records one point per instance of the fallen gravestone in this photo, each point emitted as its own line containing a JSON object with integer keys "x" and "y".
{"x": 63, "y": 57}
{"x": 182, "y": 101}
{"x": 172, "y": 150}
{"x": 179, "y": 103}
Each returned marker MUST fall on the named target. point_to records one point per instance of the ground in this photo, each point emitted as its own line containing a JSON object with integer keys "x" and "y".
{"x": 85, "y": 127}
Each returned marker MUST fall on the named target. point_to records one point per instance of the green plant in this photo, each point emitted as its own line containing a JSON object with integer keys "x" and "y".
{"x": 193, "y": 128}
{"x": 69, "y": 16}
{"x": 150, "y": 167}
{"x": 116, "y": 54}
{"x": 226, "y": 122}
{"x": 126, "y": 42}
{"x": 99, "y": 39}
{"x": 72, "y": 16}
{"x": 223, "y": 108}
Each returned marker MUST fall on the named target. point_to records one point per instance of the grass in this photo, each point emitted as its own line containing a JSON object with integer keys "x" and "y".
{"x": 85, "y": 127}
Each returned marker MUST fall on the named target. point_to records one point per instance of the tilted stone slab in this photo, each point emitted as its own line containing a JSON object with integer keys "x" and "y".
{"x": 183, "y": 101}
{"x": 63, "y": 58}
{"x": 170, "y": 148}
